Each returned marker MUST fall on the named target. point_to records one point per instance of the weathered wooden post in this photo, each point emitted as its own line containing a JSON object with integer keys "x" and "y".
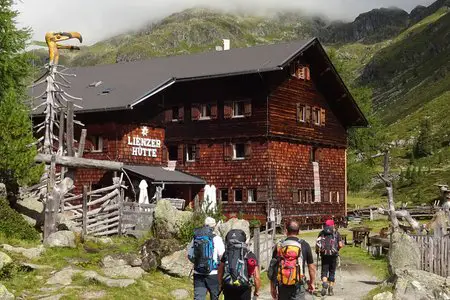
{"x": 50, "y": 205}
{"x": 256, "y": 242}
{"x": 85, "y": 211}
{"x": 121, "y": 200}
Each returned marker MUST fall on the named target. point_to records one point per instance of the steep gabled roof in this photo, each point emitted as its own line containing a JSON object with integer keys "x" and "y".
{"x": 125, "y": 85}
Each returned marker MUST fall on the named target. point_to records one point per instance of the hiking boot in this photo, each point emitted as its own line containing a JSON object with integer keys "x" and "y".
{"x": 330, "y": 291}
{"x": 324, "y": 289}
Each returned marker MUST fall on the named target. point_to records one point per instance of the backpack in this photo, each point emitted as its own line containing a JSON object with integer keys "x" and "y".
{"x": 236, "y": 271}
{"x": 204, "y": 250}
{"x": 327, "y": 242}
{"x": 287, "y": 267}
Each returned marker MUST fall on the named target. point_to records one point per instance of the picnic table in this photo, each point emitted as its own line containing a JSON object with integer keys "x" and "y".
{"x": 360, "y": 234}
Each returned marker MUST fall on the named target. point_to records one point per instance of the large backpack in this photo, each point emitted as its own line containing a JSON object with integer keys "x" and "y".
{"x": 203, "y": 258}
{"x": 236, "y": 272}
{"x": 287, "y": 267}
{"x": 327, "y": 242}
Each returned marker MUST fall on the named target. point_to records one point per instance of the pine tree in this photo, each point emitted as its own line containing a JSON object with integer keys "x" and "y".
{"x": 16, "y": 152}
{"x": 424, "y": 144}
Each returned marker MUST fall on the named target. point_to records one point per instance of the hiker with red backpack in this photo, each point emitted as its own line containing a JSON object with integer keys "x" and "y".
{"x": 286, "y": 270}
{"x": 328, "y": 245}
{"x": 205, "y": 251}
{"x": 238, "y": 270}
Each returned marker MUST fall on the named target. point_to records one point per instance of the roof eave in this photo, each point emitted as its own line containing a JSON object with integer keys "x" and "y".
{"x": 364, "y": 122}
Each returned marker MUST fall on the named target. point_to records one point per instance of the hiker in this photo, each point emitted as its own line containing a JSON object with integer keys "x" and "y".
{"x": 238, "y": 269}
{"x": 287, "y": 268}
{"x": 328, "y": 245}
{"x": 205, "y": 251}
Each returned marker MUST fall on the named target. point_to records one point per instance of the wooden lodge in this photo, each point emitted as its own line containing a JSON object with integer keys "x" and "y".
{"x": 266, "y": 125}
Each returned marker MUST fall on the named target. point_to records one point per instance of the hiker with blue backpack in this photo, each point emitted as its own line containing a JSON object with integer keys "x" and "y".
{"x": 328, "y": 245}
{"x": 205, "y": 251}
{"x": 238, "y": 270}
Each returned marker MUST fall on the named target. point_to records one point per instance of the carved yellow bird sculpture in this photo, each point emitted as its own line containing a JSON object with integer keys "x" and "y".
{"x": 52, "y": 39}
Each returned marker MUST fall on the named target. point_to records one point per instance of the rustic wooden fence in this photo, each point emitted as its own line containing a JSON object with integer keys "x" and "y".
{"x": 262, "y": 244}
{"x": 434, "y": 253}
{"x": 100, "y": 210}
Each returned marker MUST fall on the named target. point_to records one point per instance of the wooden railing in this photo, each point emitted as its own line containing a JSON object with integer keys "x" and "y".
{"x": 262, "y": 244}
{"x": 434, "y": 253}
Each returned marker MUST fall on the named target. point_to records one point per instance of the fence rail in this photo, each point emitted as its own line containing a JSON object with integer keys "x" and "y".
{"x": 434, "y": 254}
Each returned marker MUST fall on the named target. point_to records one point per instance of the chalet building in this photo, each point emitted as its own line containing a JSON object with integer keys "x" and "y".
{"x": 266, "y": 125}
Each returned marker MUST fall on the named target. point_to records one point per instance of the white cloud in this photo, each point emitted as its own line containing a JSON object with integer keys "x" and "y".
{"x": 98, "y": 19}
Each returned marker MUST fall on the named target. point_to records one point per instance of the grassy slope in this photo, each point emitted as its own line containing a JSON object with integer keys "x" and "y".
{"x": 413, "y": 69}
{"x": 155, "y": 284}
{"x": 190, "y": 31}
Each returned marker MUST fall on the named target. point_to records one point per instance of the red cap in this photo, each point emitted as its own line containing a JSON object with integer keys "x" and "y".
{"x": 329, "y": 223}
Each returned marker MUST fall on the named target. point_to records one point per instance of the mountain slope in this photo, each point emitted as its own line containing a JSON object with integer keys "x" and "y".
{"x": 413, "y": 69}
{"x": 195, "y": 30}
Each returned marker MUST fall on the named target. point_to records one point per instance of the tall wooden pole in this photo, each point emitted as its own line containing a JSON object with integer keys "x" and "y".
{"x": 50, "y": 205}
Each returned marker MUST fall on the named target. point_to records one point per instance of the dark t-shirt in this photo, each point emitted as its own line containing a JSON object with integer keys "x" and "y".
{"x": 306, "y": 250}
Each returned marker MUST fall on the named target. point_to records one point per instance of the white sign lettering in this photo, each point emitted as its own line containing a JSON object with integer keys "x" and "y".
{"x": 144, "y": 146}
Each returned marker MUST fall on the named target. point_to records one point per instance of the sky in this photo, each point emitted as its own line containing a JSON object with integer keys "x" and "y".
{"x": 100, "y": 19}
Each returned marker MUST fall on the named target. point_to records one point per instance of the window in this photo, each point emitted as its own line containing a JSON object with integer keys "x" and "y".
{"x": 238, "y": 195}
{"x": 314, "y": 154}
{"x": 316, "y": 116}
{"x": 190, "y": 152}
{"x": 173, "y": 152}
{"x": 97, "y": 143}
{"x": 175, "y": 113}
{"x": 301, "y": 113}
{"x": 223, "y": 194}
{"x": 205, "y": 111}
{"x": 238, "y": 109}
{"x": 238, "y": 151}
{"x": 251, "y": 195}
{"x": 301, "y": 196}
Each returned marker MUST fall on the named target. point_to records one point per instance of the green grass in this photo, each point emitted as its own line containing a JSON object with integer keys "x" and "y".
{"x": 377, "y": 265}
{"x": 364, "y": 199}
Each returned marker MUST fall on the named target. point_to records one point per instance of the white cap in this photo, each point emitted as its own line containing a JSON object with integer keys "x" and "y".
{"x": 210, "y": 222}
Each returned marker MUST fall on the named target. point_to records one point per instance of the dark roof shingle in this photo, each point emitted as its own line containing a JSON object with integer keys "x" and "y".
{"x": 132, "y": 81}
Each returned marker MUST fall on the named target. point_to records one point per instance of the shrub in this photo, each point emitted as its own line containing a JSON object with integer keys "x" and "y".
{"x": 13, "y": 225}
{"x": 359, "y": 176}
{"x": 198, "y": 219}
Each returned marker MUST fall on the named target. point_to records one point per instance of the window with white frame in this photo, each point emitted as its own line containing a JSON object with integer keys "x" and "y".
{"x": 223, "y": 194}
{"x": 316, "y": 116}
{"x": 301, "y": 113}
{"x": 238, "y": 109}
{"x": 190, "y": 152}
{"x": 251, "y": 195}
{"x": 238, "y": 195}
{"x": 238, "y": 151}
{"x": 173, "y": 152}
{"x": 205, "y": 111}
{"x": 97, "y": 143}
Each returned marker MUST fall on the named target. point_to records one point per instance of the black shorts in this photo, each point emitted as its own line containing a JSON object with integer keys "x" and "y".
{"x": 237, "y": 293}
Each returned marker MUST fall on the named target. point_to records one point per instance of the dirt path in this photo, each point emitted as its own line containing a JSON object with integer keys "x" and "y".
{"x": 353, "y": 281}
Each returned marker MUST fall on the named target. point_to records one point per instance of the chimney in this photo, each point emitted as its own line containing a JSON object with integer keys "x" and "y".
{"x": 226, "y": 44}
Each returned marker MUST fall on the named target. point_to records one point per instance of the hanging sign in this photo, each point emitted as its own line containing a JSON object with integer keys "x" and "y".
{"x": 143, "y": 146}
